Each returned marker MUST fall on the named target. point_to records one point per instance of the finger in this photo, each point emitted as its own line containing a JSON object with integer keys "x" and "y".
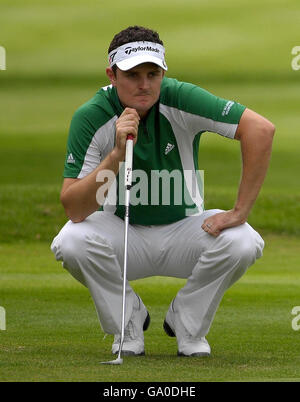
{"x": 124, "y": 131}
{"x": 125, "y": 126}
{"x": 215, "y": 233}
{"x": 129, "y": 111}
{"x": 121, "y": 136}
{"x": 127, "y": 121}
{"x": 206, "y": 226}
{"x": 210, "y": 229}
{"x": 129, "y": 115}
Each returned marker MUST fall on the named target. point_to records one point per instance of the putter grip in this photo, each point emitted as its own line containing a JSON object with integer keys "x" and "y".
{"x": 128, "y": 161}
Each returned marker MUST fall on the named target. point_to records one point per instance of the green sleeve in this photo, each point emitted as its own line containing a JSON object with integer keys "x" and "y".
{"x": 81, "y": 133}
{"x": 197, "y": 101}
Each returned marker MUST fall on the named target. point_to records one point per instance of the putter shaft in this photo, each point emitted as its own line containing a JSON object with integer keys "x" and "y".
{"x": 127, "y": 182}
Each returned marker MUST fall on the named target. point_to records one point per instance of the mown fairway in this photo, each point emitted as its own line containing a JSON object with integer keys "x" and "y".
{"x": 56, "y": 56}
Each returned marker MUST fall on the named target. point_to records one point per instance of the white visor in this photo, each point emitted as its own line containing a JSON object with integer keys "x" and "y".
{"x": 131, "y": 54}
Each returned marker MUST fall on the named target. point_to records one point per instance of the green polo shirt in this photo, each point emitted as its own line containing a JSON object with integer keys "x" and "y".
{"x": 167, "y": 185}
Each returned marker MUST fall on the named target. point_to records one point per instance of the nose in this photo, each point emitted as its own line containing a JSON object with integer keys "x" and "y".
{"x": 144, "y": 82}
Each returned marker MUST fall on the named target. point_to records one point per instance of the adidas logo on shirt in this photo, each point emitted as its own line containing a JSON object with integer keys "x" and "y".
{"x": 227, "y": 108}
{"x": 70, "y": 159}
{"x": 169, "y": 148}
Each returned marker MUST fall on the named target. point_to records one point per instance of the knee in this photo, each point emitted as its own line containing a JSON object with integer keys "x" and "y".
{"x": 69, "y": 244}
{"x": 68, "y": 247}
{"x": 245, "y": 244}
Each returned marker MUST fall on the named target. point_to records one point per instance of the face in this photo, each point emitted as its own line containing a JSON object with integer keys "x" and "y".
{"x": 139, "y": 87}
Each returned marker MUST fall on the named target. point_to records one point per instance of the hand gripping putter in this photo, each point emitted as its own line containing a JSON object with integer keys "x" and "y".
{"x": 128, "y": 181}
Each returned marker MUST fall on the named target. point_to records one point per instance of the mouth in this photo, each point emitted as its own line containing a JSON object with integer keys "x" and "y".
{"x": 143, "y": 94}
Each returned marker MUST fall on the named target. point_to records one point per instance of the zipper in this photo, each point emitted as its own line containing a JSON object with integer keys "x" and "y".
{"x": 145, "y": 130}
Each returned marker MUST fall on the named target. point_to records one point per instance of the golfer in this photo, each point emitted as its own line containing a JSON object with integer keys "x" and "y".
{"x": 170, "y": 232}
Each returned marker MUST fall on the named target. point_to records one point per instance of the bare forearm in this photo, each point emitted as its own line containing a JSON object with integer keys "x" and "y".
{"x": 256, "y": 152}
{"x": 80, "y": 198}
{"x": 256, "y": 136}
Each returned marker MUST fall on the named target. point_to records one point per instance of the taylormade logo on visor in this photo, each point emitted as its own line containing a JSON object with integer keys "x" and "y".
{"x": 133, "y": 53}
{"x": 129, "y": 50}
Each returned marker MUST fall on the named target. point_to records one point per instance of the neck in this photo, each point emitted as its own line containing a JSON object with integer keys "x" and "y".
{"x": 143, "y": 114}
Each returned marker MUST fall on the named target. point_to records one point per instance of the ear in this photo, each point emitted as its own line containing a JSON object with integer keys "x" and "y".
{"x": 111, "y": 76}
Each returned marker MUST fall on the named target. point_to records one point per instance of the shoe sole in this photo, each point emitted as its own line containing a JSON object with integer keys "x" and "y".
{"x": 198, "y": 354}
{"x": 130, "y": 352}
{"x": 146, "y": 322}
{"x": 169, "y": 331}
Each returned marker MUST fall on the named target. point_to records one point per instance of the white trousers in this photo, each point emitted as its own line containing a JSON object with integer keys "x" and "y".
{"x": 92, "y": 251}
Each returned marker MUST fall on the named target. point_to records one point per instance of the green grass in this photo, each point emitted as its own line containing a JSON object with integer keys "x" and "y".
{"x": 230, "y": 39}
{"x": 53, "y": 333}
{"x": 56, "y": 56}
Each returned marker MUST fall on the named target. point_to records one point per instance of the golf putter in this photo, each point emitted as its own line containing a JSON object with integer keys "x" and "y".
{"x": 128, "y": 181}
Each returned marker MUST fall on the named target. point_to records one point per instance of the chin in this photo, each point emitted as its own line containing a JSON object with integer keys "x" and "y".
{"x": 144, "y": 107}
{"x": 143, "y": 111}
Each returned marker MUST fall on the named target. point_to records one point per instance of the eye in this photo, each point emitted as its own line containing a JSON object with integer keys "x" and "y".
{"x": 153, "y": 74}
{"x": 132, "y": 74}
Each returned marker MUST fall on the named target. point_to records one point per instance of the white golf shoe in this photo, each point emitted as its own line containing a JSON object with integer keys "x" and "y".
{"x": 187, "y": 345}
{"x": 133, "y": 334}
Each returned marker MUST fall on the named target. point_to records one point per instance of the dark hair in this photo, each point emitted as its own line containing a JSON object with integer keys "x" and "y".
{"x": 133, "y": 34}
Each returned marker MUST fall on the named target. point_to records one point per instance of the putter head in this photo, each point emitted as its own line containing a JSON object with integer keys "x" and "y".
{"x": 117, "y": 361}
